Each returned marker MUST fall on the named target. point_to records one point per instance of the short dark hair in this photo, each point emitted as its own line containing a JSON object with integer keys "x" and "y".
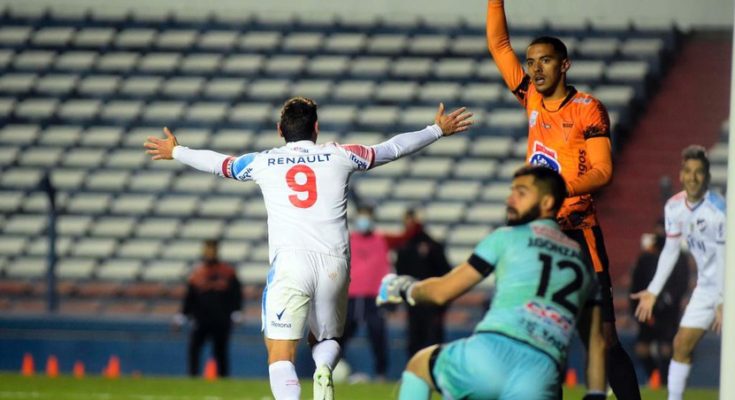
{"x": 211, "y": 243}
{"x": 696, "y": 152}
{"x": 548, "y": 181}
{"x": 298, "y": 116}
{"x": 559, "y": 47}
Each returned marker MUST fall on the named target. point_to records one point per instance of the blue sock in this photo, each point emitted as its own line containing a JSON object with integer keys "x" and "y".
{"x": 413, "y": 387}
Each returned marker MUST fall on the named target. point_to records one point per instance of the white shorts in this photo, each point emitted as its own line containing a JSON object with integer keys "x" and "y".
{"x": 303, "y": 284}
{"x": 700, "y": 312}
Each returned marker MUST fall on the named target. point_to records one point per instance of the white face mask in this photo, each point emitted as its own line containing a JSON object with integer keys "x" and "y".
{"x": 363, "y": 224}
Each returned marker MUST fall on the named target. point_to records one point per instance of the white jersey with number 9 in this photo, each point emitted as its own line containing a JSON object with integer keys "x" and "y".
{"x": 304, "y": 187}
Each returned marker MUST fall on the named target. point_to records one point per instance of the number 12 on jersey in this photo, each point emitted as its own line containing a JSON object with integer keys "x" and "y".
{"x": 305, "y": 174}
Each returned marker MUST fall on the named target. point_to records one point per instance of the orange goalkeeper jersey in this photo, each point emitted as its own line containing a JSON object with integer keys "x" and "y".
{"x": 570, "y": 135}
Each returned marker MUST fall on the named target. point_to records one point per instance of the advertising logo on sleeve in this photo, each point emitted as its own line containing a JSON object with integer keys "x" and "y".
{"x": 544, "y": 157}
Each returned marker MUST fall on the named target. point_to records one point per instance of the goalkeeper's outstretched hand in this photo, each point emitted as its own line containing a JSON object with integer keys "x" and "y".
{"x": 394, "y": 290}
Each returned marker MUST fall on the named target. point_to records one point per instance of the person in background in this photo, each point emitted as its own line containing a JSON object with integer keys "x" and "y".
{"x": 654, "y": 341}
{"x": 419, "y": 256}
{"x": 369, "y": 263}
{"x": 212, "y": 302}
{"x": 698, "y": 215}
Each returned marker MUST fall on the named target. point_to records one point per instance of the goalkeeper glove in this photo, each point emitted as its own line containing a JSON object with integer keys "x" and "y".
{"x": 395, "y": 289}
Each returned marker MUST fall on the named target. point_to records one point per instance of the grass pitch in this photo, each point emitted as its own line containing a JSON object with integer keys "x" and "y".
{"x": 14, "y": 386}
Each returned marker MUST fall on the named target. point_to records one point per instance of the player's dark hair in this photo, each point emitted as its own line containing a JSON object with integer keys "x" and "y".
{"x": 298, "y": 117}
{"x": 548, "y": 181}
{"x": 696, "y": 152}
{"x": 211, "y": 243}
{"x": 559, "y": 47}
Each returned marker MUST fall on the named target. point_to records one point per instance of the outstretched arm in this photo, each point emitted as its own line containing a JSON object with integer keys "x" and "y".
{"x": 666, "y": 262}
{"x": 395, "y": 289}
{"x": 407, "y": 143}
{"x": 498, "y": 42}
{"x": 169, "y": 148}
{"x": 446, "y": 288}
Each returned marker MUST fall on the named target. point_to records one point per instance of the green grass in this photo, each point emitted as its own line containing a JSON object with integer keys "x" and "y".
{"x": 14, "y": 386}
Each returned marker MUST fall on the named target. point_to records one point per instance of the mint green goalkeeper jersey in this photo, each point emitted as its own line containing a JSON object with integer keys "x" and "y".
{"x": 542, "y": 283}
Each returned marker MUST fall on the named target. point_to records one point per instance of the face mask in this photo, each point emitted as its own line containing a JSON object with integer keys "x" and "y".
{"x": 363, "y": 224}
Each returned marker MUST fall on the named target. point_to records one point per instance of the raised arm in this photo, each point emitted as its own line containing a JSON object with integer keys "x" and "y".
{"x": 498, "y": 42}
{"x": 410, "y": 142}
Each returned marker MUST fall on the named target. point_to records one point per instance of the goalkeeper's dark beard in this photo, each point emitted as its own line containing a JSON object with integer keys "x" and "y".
{"x": 532, "y": 214}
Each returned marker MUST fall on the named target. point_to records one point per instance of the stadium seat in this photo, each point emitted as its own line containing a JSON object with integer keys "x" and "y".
{"x": 220, "y": 207}
{"x": 387, "y": 43}
{"x": 141, "y": 85}
{"x": 303, "y": 41}
{"x": 250, "y": 230}
{"x": 491, "y": 147}
{"x": 488, "y": 213}
{"x": 476, "y": 169}
{"x": 217, "y": 39}
{"x": 135, "y": 38}
{"x": 445, "y": 212}
{"x": 41, "y": 156}
{"x": 345, "y": 43}
{"x": 57, "y": 84}
{"x": 120, "y": 61}
{"x": 396, "y": 92}
{"x": 74, "y": 225}
{"x": 249, "y": 64}
{"x": 370, "y": 67}
{"x": 187, "y": 250}
{"x": 93, "y": 37}
{"x": 79, "y": 110}
{"x": 144, "y": 249}
{"x": 232, "y": 141}
{"x": 75, "y": 268}
{"x": 36, "y": 108}
{"x": 17, "y": 82}
{"x": 224, "y": 88}
{"x": 61, "y": 135}
{"x": 165, "y": 271}
{"x": 12, "y": 245}
{"x": 414, "y": 68}
{"x": 94, "y": 247}
{"x": 382, "y": 116}
{"x": 163, "y": 228}
{"x": 34, "y": 60}
{"x": 68, "y": 179}
{"x": 455, "y": 68}
{"x": 458, "y": 190}
{"x": 179, "y": 39}
{"x": 20, "y": 177}
{"x": 431, "y": 167}
{"x": 413, "y": 189}
{"x": 468, "y": 235}
{"x": 260, "y": 40}
{"x": 115, "y": 227}
{"x": 15, "y": 35}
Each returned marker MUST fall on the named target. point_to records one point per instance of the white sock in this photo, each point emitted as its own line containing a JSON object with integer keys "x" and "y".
{"x": 284, "y": 382}
{"x": 326, "y": 353}
{"x": 678, "y": 374}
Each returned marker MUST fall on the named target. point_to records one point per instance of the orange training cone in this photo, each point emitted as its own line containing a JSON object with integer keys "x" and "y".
{"x": 27, "y": 369}
{"x": 655, "y": 381}
{"x": 571, "y": 378}
{"x": 113, "y": 367}
{"x": 79, "y": 369}
{"x": 210, "y": 370}
{"x": 52, "y": 366}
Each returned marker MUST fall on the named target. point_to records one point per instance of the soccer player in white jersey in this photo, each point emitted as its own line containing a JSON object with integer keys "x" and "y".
{"x": 304, "y": 187}
{"x": 697, "y": 215}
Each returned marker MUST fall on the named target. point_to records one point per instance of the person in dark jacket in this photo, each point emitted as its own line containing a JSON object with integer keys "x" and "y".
{"x": 420, "y": 256}
{"x": 213, "y": 301}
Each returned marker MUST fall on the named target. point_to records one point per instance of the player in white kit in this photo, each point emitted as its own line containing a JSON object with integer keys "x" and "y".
{"x": 697, "y": 215}
{"x": 304, "y": 187}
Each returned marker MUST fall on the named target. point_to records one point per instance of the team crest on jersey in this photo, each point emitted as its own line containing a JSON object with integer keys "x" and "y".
{"x": 544, "y": 157}
{"x": 701, "y": 224}
{"x": 533, "y": 118}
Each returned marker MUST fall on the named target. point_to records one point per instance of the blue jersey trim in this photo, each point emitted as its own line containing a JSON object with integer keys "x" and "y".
{"x": 717, "y": 201}
{"x": 241, "y": 163}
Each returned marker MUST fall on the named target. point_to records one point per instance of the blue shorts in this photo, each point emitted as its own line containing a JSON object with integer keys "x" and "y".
{"x": 493, "y": 366}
